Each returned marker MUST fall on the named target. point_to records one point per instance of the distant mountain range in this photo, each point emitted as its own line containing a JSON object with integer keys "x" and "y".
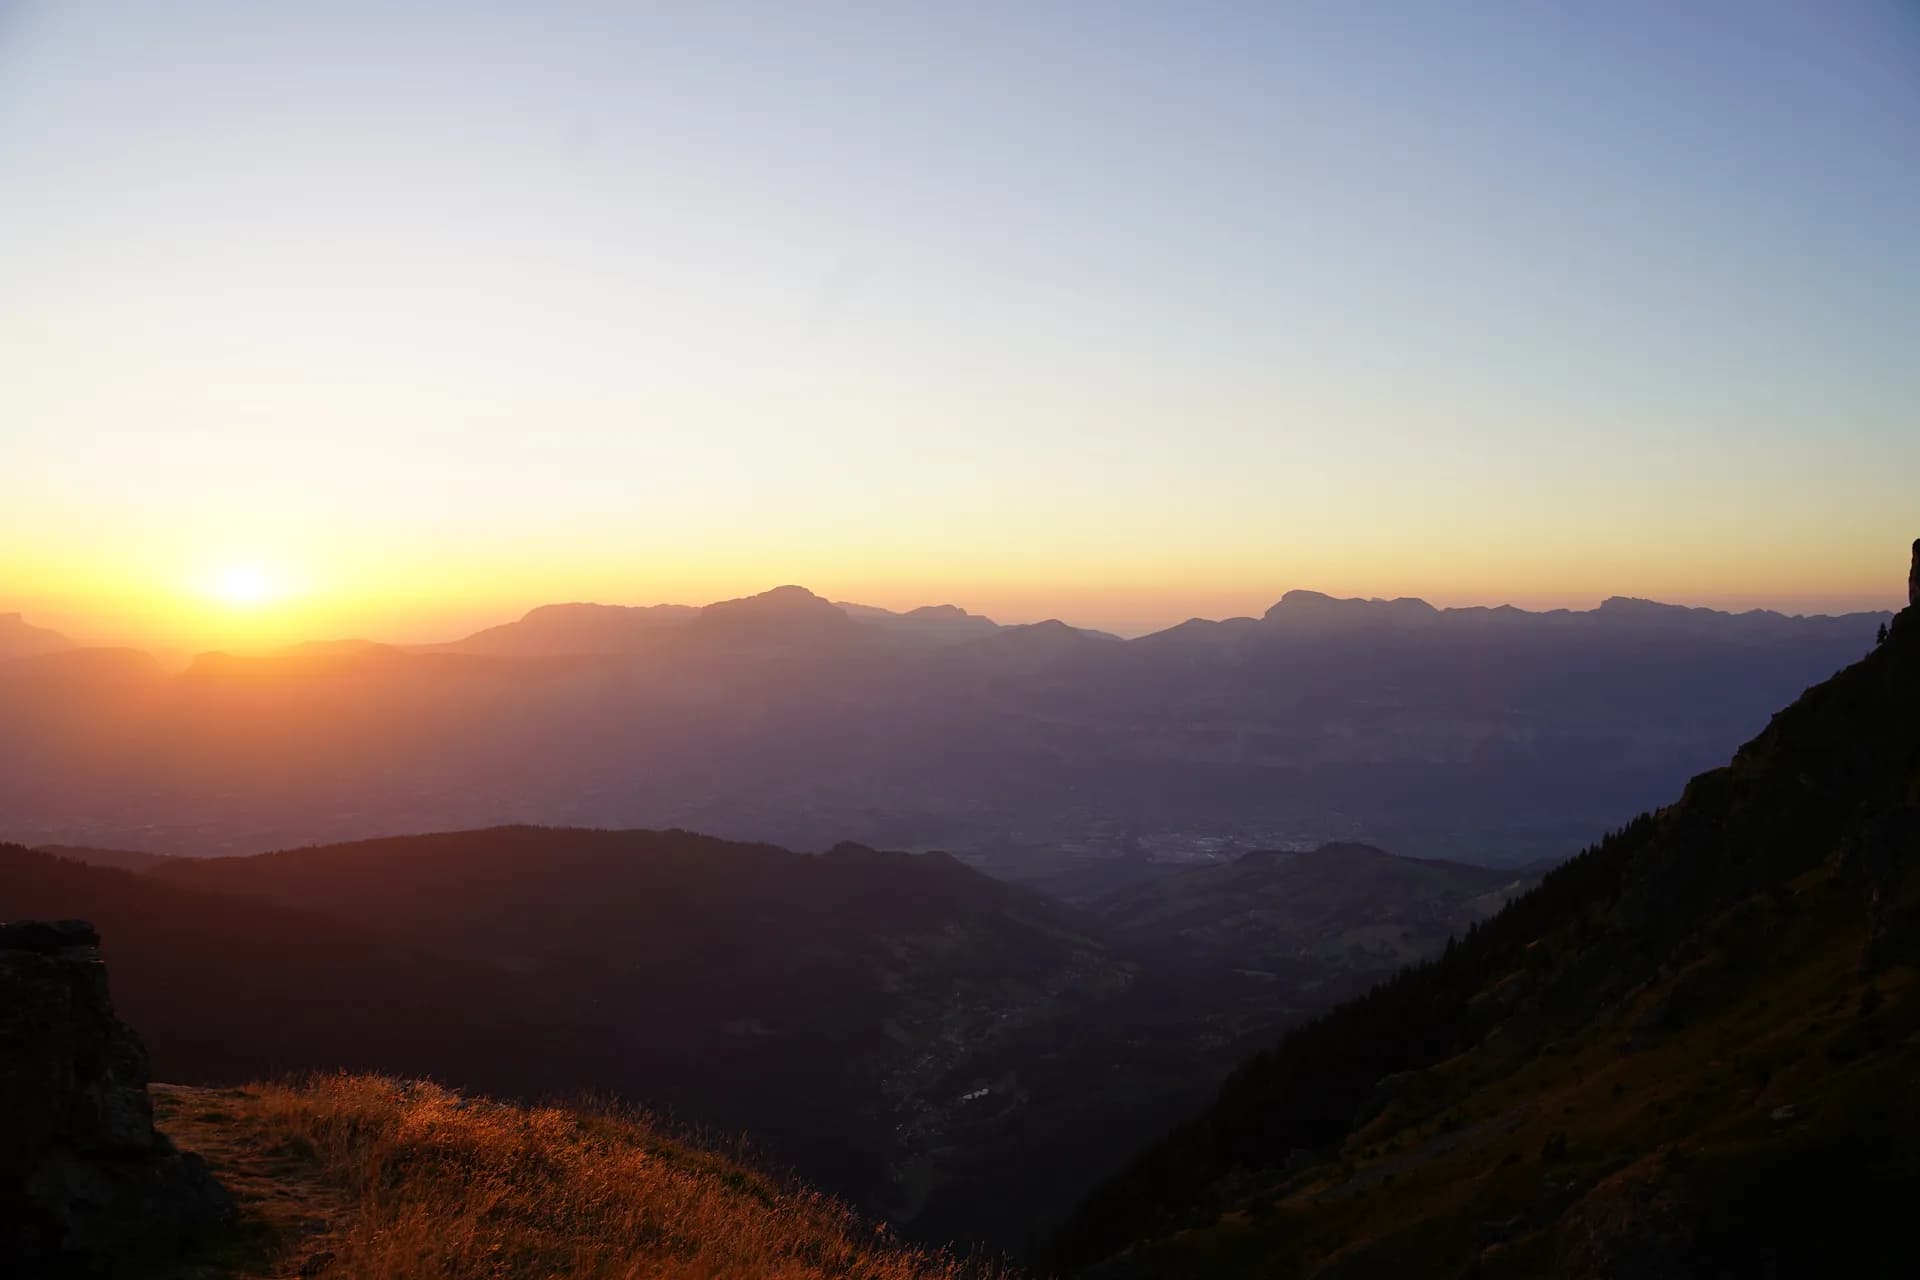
{"x": 559, "y": 630}
{"x": 21, "y": 639}
{"x": 567, "y": 628}
{"x": 1045, "y": 752}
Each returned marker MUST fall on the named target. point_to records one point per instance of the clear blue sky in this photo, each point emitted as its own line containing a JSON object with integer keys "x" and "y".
{"x": 1122, "y": 312}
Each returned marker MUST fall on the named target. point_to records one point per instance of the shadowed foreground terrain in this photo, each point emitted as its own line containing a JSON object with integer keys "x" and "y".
{"x": 958, "y": 1056}
{"x": 371, "y": 1178}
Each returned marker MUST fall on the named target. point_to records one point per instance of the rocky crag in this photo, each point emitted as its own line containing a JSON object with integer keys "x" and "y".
{"x": 87, "y": 1186}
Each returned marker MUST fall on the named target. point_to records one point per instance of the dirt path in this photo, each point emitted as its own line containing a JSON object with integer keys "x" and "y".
{"x": 283, "y": 1203}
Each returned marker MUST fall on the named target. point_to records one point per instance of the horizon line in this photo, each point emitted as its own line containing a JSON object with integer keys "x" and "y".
{"x": 27, "y": 617}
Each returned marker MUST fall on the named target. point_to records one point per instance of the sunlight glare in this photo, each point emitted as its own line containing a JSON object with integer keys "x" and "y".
{"x": 245, "y": 586}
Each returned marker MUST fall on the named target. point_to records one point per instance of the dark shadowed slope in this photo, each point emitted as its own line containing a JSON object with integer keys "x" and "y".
{"x": 1227, "y": 957}
{"x": 1689, "y": 1051}
{"x": 87, "y": 1187}
{"x": 224, "y": 988}
{"x": 125, "y": 859}
{"x": 1337, "y": 904}
{"x": 818, "y": 1003}
{"x": 961, "y": 1054}
{"x": 538, "y": 894}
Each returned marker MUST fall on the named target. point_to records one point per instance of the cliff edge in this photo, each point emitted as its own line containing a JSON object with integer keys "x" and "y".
{"x": 87, "y": 1185}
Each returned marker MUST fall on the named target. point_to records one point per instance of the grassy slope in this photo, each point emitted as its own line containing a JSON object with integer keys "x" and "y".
{"x": 1692, "y": 1048}
{"x": 388, "y": 1180}
{"x": 1540, "y": 1157}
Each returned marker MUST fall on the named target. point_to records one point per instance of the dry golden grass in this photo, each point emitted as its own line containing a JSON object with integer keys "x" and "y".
{"x": 439, "y": 1186}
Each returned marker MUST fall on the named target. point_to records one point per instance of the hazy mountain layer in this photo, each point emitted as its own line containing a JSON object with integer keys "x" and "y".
{"x": 1041, "y": 752}
{"x": 21, "y": 639}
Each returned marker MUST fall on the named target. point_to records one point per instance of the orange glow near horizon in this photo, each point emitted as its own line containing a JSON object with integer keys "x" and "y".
{"x": 326, "y": 325}
{"x": 263, "y": 602}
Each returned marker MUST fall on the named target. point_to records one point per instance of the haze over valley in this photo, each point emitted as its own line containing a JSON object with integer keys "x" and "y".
{"x": 1044, "y": 753}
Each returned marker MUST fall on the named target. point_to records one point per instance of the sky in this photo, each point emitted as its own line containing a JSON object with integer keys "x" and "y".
{"x": 397, "y": 319}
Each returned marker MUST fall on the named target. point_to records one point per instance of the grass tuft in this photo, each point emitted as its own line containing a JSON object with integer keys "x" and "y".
{"x": 442, "y": 1186}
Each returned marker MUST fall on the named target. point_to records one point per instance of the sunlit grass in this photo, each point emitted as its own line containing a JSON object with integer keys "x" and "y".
{"x": 446, "y": 1187}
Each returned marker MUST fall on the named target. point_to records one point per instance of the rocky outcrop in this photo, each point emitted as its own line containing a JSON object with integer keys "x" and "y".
{"x": 1637, "y": 1222}
{"x": 1913, "y": 577}
{"x": 85, "y": 1181}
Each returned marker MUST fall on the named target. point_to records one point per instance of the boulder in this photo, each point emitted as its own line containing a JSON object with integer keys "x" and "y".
{"x": 85, "y": 1180}
{"x": 1636, "y": 1222}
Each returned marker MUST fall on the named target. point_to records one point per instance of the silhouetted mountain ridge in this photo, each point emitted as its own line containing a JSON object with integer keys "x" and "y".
{"x": 560, "y": 629}
{"x": 1040, "y": 751}
{"x": 126, "y": 859}
{"x": 21, "y": 639}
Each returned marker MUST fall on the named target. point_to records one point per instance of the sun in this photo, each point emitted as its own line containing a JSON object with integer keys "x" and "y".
{"x": 245, "y": 586}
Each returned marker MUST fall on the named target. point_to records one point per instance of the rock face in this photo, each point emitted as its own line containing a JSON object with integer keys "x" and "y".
{"x": 85, "y": 1181}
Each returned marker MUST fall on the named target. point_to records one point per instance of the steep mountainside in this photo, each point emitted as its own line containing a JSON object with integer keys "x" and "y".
{"x": 1689, "y": 1051}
